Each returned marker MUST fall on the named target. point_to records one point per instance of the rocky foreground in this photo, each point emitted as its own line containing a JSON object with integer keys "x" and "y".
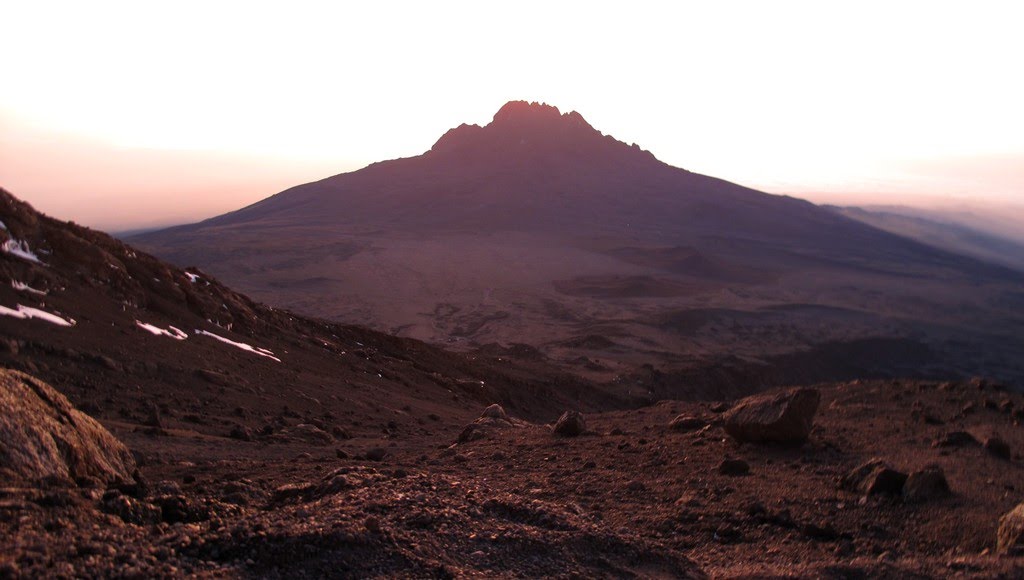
{"x": 864, "y": 479}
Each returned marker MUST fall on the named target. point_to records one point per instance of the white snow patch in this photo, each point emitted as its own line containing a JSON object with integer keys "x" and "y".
{"x": 3, "y": 226}
{"x": 175, "y": 333}
{"x": 23, "y": 287}
{"x": 20, "y": 249}
{"x": 241, "y": 345}
{"x": 27, "y": 312}
{"x": 192, "y": 277}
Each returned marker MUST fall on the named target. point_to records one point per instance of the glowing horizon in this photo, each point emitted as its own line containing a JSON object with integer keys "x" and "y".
{"x": 124, "y": 115}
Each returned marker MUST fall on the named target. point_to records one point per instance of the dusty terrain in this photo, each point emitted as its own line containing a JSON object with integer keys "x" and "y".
{"x": 631, "y": 497}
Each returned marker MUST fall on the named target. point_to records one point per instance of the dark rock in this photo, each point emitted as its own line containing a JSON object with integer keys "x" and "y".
{"x": 472, "y": 432}
{"x": 926, "y": 485}
{"x": 956, "y": 439}
{"x": 341, "y": 454}
{"x": 372, "y": 525}
{"x": 376, "y": 454}
{"x": 571, "y": 424}
{"x": 785, "y": 417}
{"x": 998, "y": 447}
{"x": 131, "y": 510}
{"x": 819, "y": 532}
{"x": 686, "y": 423}
{"x": 636, "y": 486}
{"x": 734, "y": 467}
{"x": 241, "y": 433}
{"x": 873, "y": 478}
{"x": 179, "y": 509}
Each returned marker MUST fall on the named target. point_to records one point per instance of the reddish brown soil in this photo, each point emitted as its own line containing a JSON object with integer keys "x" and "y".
{"x": 629, "y": 498}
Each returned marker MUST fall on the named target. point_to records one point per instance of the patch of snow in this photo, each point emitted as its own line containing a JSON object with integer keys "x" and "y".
{"x": 241, "y": 345}
{"x": 20, "y": 249}
{"x": 27, "y": 312}
{"x": 23, "y": 287}
{"x": 192, "y": 277}
{"x": 3, "y": 226}
{"x": 175, "y": 333}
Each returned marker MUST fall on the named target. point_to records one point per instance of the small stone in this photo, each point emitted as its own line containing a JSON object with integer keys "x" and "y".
{"x": 372, "y": 525}
{"x": 734, "y": 467}
{"x": 685, "y": 423}
{"x": 341, "y": 454}
{"x": 376, "y": 454}
{"x": 956, "y": 439}
{"x": 998, "y": 447}
{"x": 241, "y": 433}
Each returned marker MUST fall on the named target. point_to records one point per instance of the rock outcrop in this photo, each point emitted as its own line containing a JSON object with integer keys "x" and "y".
{"x": 43, "y": 437}
{"x": 785, "y": 417}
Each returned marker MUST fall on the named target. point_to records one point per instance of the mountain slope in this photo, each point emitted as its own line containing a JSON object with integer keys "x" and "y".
{"x": 538, "y": 229}
{"x": 130, "y": 338}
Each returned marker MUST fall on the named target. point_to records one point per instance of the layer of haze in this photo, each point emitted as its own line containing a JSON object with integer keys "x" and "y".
{"x": 125, "y": 115}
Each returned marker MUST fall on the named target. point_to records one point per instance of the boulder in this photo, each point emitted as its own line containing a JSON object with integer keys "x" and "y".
{"x": 926, "y": 485}
{"x": 785, "y": 417}
{"x": 734, "y": 467}
{"x": 571, "y": 424}
{"x": 874, "y": 477}
{"x": 42, "y": 436}
{"x": 1010, "y": 538}
{"x": 493, "y": 418}
{"x": 494, "y": 411}
{"x": 685, "y": 423}
{"x": 998, "y": 447}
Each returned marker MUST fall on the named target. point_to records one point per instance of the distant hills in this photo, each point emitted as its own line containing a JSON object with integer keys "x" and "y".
{"x": 953, "y": 233}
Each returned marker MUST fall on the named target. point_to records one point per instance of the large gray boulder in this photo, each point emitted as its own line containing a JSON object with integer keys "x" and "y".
{"x": 785, "y": 417}
{"x": 44, "y": 437}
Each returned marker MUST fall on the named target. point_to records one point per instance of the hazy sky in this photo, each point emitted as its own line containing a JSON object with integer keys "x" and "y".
{"x": 130, "y": 114}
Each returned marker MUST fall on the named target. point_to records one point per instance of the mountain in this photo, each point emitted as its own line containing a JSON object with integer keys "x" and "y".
{"x": 534, "y": 169}
{"x": 942, "y": 231}
{"x": 538, "y": 229}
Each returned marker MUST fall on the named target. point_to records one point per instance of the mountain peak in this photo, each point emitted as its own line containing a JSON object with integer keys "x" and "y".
{"x": 518, "y": 122}
{"x": 525, "y": 112}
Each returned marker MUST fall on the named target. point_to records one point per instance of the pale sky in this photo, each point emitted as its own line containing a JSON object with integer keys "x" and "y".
{"x": 131, "y": 114}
